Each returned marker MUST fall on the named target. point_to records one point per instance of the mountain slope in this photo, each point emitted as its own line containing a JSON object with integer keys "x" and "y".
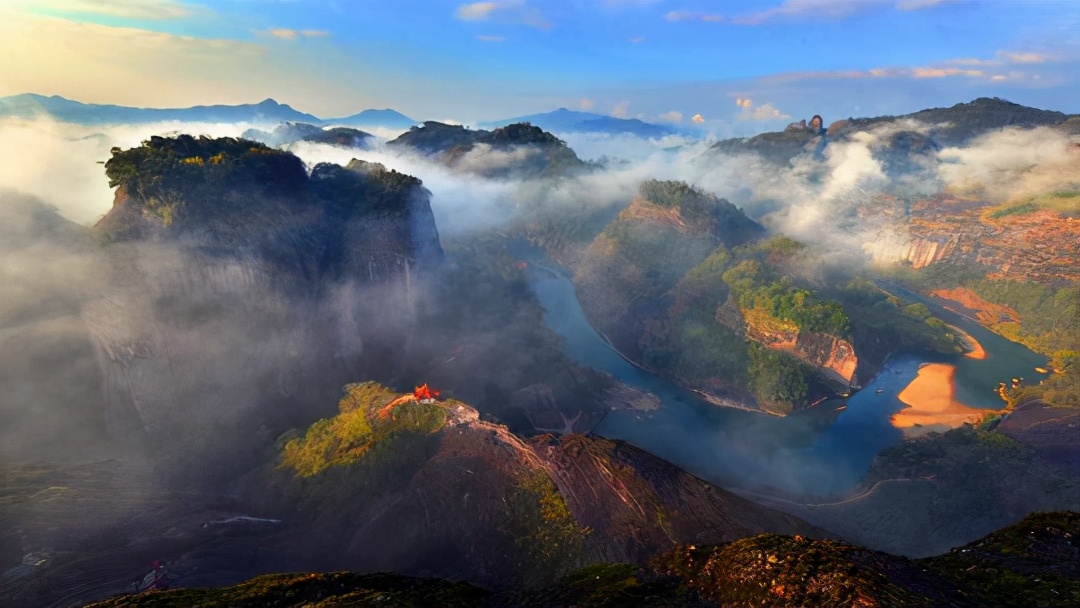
{"x": 387, "y": 118}
{"x": 1032, "y": 563}
{"x": 519, "y": 150}
{"x": 962, "y": 122}
{"x": 570, "y": 121}
{"x": 439, "y": 491}
{"x": 29, "y": 105}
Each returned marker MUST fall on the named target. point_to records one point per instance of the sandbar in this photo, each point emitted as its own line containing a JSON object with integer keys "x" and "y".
{"x": 931, "y": 401}
{"x": 975, "y": 350}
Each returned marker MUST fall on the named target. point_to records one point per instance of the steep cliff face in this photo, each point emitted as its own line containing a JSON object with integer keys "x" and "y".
{"x": 831, "y": 355}
{"x": 240, "y": 199}
{"x": 916, "y": 252}
{"x": 238, "y": 290}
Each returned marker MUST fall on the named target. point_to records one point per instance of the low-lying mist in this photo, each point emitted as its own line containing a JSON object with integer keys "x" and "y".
{"x": 145, "y": 339}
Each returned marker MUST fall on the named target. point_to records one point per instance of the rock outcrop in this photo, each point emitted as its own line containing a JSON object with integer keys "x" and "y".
{"x": 772, "y": 570}
{"x": 831, "y": 355}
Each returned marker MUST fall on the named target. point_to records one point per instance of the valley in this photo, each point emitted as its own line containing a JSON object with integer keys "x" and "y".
{"x": 657, "y": 378}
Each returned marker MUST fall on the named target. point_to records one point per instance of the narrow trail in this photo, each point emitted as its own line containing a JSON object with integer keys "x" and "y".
{"x": 769, "y": 500}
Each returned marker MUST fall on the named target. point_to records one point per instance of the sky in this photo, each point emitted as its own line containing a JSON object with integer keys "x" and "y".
{"x": 726, "y": 66}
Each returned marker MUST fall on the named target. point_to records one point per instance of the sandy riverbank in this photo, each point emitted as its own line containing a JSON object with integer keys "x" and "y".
{"x": 975, "y": 350}
{"x": 932, "y": 404}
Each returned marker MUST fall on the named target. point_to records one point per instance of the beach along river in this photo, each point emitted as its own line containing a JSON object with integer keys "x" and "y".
{"x": 819, "y": 452}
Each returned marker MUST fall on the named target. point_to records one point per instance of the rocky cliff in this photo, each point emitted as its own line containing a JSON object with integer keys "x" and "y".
{"x": 230, "y": 288}
{"x": 833, "y": 356}
{"x": 1025, "y": 243}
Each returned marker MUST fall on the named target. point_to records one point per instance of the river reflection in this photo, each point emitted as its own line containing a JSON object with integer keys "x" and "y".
{"x": 819, "y": 452}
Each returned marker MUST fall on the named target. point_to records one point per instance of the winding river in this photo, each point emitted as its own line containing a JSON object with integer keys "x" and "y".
{"x": 821, "y": 452}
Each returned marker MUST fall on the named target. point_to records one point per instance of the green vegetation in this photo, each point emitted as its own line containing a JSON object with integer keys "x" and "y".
{"x": 1049, "y": 322}
{"x": 1065, "y": 201}
{"x": 1049, "y": 316}
{"x": 760, "y": 288}
{"x": 545, "y": 529}
{"x": 723, "y": 220}
{"x": 976, "y": 455}
{"x": 662, "y": 254}
{"x": 701, "y": 337}
{"x": 776, "y": 377}
{"x": 185, "y": 176}
{"x": 1022, "y": 565}
{"x": 1014, "y": 210}
{"x": 349, "y": 436}
{"x": 883, "y": 321}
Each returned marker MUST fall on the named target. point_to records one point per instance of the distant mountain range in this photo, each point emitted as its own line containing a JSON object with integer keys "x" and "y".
{"x": 571, "y": 121}
{"x": 30, "y": 105}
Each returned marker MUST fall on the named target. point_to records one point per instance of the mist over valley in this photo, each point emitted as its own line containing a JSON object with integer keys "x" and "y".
{"x": 598, "y": 355}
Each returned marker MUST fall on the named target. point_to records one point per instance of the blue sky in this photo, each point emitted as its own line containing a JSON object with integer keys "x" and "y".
{"x": 739, "y": 65}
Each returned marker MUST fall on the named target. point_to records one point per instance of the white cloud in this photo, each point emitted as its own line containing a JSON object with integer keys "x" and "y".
{"x": 127, "y": 9}
{"x": 692, "y": 16}
{"x": 942, "y": 72}
{"x": 672, "y": 116}
{"x": 289, "y": 34}
{"x": 766, "y": 111}
{"x": 637, "y": 39}
{"x": 678, "y": 15}
{"x": 621, "y": 109}
{"x": 586, "y": 103}
{"x": 698, "y": 119}
{"x": 914, "y": 5}
{"x": 158, "y": 69}
{"x": 488, "y": 38}
{"x": 57, "y": 162}
{"x": 1028, "y": 58}
{"x": 477, "y": 11}
{"x": 510, "y": 11}
{"x": 1013, "y": 163}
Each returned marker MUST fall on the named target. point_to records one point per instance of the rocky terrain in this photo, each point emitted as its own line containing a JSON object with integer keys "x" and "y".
{"x": 1031, "y": 563}
{"x": 1037, "y": 245}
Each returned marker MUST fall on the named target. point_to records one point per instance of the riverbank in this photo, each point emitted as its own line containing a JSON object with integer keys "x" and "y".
{"x": 931, "y": 403}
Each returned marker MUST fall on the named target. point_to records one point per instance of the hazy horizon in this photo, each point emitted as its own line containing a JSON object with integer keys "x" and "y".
{"x": 739, "y": 68}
